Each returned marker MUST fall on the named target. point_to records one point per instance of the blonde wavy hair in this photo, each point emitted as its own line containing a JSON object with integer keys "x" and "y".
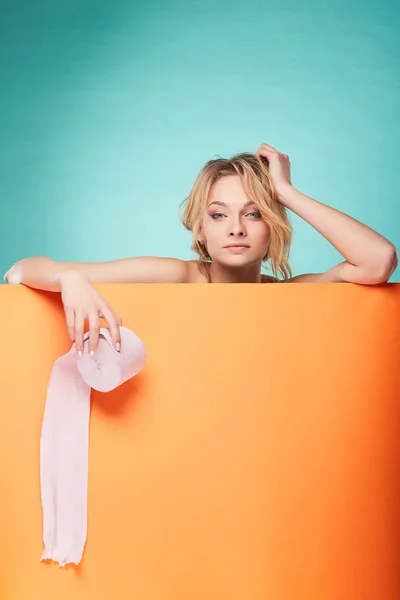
{"x": 259, "y": 187}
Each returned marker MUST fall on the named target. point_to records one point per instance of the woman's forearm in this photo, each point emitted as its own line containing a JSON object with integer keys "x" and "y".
{"x": 359, "y": 244}
{"x": 38, "y": 272}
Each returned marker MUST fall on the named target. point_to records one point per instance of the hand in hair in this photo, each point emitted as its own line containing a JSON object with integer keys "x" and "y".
{"x": 279, "y": 166}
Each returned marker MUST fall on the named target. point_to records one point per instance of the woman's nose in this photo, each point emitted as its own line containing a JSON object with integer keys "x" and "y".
{"x": 237, "y": 229}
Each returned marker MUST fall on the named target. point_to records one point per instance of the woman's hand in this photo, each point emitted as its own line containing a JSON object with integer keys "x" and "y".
{"x": 81, "y": 301}
{"x": 279, "y": 166}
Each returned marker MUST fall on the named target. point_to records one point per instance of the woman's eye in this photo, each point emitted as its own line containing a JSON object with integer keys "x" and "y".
{"x": 216, "y": 216}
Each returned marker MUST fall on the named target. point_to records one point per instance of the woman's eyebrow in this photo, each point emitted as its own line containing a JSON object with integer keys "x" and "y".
{"x": 249, "y": 203}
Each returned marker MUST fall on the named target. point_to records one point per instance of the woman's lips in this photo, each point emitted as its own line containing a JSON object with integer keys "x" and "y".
{"x": 237, "y": 247}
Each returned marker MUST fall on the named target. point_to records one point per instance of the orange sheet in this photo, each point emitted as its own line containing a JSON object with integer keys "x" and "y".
{"x": 256, "y": 456}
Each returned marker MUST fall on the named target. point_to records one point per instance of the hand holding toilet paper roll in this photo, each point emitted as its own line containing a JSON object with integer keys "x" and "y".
{"x": 82, "y": 301}
{"x": 64, "y": 440}
{"x": 108, "y": 369}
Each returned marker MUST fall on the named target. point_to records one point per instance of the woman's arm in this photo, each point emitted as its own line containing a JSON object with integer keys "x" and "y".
{"x": 44, "y": 273}
{"x": 370, "y": 258}
{"x": 367, "y": 253}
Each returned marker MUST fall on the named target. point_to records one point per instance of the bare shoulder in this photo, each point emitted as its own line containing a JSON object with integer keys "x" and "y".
{"x": 194, "y": 274}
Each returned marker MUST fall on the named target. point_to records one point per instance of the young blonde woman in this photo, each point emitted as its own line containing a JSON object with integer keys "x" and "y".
{"x": 237, "y": 212}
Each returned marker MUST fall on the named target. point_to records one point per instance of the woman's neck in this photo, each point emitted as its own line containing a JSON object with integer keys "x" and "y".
{"x": 219, "y": 274}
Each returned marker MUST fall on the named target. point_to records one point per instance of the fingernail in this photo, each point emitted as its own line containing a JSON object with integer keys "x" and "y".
{"x": 80, "y": 353}
{"x": 118, "y": 347}
{"x": 92, "y": 353}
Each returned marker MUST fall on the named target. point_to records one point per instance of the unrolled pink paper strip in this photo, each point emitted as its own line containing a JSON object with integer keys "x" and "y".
{"x": 64, "y": 443}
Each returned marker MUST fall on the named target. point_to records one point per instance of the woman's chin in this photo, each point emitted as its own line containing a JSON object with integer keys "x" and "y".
{"x": 238, "y": 261}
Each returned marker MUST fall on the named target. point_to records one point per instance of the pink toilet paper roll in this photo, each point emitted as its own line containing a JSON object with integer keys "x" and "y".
{"x": 64, "y": 442}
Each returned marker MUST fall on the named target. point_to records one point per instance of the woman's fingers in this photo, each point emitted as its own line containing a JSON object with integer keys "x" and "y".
{"x": 269, "y": 148}
{"x": 265, "y": 150}
{"x": 94, "y": 329}
{"x": 70, "y": 319}
{"x": 79, "y": 329}
{"x": 76, "y": 327}
{"x": 119, "y": 320}
{"x": 114, "y": 323}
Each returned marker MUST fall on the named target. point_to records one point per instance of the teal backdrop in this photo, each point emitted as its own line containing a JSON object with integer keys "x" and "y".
{"x": 108, "y": 111}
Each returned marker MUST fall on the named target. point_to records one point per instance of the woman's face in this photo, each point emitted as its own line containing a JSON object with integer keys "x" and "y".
{"x": 230, "y": 218}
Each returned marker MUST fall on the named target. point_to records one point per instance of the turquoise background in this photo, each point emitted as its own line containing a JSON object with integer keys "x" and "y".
{"x": 109, "y": 109}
